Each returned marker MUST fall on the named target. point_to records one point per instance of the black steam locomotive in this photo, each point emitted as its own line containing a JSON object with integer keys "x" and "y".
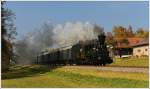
{"x": 92, "y": 52}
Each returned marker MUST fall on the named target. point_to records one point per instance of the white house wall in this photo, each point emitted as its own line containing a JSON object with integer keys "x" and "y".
{"x": 140, "y": 51}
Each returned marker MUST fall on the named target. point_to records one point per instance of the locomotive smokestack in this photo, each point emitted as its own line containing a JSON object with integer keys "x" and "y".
{"x": 101, "y": 38}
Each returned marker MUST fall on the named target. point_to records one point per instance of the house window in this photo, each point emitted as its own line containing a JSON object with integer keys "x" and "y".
{"x": 139, "y": 50}
{"x": 145, "y": 49}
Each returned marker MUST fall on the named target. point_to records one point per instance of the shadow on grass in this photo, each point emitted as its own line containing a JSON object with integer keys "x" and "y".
{"x": 26, "y": 71}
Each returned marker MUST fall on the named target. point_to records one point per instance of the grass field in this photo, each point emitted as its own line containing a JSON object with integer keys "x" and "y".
{"x": 35, "y": 76}
{"x": 131, "y": 62}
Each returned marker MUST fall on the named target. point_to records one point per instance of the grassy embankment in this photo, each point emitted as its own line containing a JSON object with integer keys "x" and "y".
{"x": 36, "y": 76}
{"x": 131, "y": 62}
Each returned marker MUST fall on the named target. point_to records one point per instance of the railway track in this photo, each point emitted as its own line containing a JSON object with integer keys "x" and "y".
{"x": 117, "y": 69}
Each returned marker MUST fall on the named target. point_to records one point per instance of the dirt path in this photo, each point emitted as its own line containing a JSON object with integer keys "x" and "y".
{"x": 120, "y": 69}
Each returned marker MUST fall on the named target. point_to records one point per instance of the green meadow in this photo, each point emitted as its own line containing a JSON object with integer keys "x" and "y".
{"x": 63, "y": 77}
{"x": 131, "y": 62}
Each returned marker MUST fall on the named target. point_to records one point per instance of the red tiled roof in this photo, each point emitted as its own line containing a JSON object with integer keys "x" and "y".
{"x": 133, "y": 42}
{"x": 141, "y": 42}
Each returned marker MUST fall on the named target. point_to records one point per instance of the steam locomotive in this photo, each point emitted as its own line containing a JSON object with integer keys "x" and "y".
{"x": 91, "y": 52}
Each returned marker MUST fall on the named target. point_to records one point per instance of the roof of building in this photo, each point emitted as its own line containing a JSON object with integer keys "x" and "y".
{"x": 132, "y": 42}
{"x": 141, "y": 42}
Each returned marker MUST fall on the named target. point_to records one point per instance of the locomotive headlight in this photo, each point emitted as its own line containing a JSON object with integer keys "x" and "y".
{"x": 94, "y": 48}
{"x": 81, "y": 50}
{"x": 108, "y": 46}
{"x": 99, "y": 58}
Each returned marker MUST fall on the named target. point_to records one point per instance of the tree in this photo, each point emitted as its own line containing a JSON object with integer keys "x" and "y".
{"x": 130, "y": 32}
{"x": 119, "y": 33}
{"x": 141, "y": 33}
{"x": 146, "y": 34}
{"x": 109, "y": 38}
{"x": 8, "y": 33}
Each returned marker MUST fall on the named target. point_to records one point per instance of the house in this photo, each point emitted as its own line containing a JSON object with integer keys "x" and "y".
{"x": 141, "y": 48}
{"x": 125, "y": 48}
{"x": 133, "y": 47}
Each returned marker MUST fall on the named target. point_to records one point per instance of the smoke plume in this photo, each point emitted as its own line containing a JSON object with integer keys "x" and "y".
{"x": 54, "y": 36}
{"x": 71, "y": 33}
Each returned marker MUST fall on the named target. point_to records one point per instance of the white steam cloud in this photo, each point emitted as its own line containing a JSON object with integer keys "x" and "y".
{"x": 71, "y": 33}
